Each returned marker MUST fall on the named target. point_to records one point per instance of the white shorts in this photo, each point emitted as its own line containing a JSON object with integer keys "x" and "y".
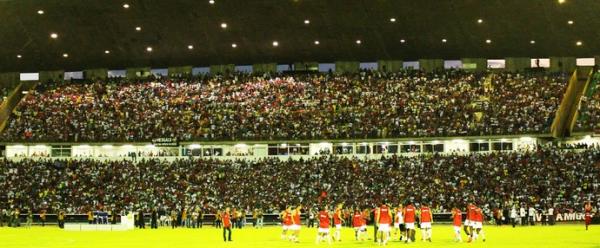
{"x": 468, "y": 223}
{"x": 384, "y": 228}
{"x": 323, "y": 230}
{"x": 425, "y": 225}
{"x": 477, "y": 225}
{"x": 286, "y": 227}
{"x": 456, "y": 228}
{"x": 295, "y": 227}
{"x": 338, "y": 226}
{"x": 410, "y": 225}
{"x": 397, "y": 225}
{"x": 360, "y": 228}
{"x": 363, "y": 227}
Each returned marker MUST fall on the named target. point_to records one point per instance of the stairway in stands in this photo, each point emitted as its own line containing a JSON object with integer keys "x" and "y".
{"x": 12, "y": 101}
{"x": 568, "y": 111}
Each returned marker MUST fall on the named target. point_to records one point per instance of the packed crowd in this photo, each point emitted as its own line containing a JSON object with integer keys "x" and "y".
{"x": 562, "y": 178}
{"x": 245, "y": 107}
{"x": 589, "y": 116}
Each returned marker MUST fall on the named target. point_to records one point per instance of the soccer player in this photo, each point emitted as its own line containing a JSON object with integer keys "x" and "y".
{"x": 359, "y": 224}
{"x": 337, "y": 221}
{"x": 384, "y": 218}
{"x": 426, "y": 220}
{"x": 323, "y": 231}
{"x": 456, "y": 223}
{"x": 286, "y": 217}
{"x": 409, "y": 221}
{"x": 399, "y": 222}
{"x": 296, "y": 224}
{"x": 470, "y": 219}
{"x": 587, "y": 209}
{"x": 226, "y": 225}
{"x": 478, "y": 225}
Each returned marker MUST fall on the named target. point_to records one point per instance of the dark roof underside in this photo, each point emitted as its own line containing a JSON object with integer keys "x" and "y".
{"x": 87, "y": 28}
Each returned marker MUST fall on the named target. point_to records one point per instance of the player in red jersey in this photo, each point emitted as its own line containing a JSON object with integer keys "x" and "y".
{"x": 477, "y": 225}
{"x": 296, "y": 224}
{"x": 337, "y": 221}
{"x": 323, "y": 232}
{"x": 359, "y": 224}
{"x": 286, "y": 217}
{"x": 470, "y": 219}
{"x": 587, "y": 209}
{"x": 384, "y": 218}
{"x": 426, "y": 220}
{"x": 226, "y": 225}
{"x": 456, "y": 223}
{"x": 409, "y": 221}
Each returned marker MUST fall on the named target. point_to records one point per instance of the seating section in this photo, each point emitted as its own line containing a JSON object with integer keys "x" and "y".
{"x": 546, "y": 176}
{"x": 589, "y": 115}
{"x": 243, "y": 107}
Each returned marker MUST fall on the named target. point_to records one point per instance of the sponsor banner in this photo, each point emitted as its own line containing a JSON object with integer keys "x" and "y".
{"x": 165, "y": 142}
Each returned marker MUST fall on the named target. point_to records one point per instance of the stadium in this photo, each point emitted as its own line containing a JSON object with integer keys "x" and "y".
{"x": 299, "y": 123}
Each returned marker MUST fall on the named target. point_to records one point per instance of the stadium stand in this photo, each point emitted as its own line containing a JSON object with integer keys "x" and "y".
{"x": 545, "y": 176}
{"x": 245, "y": 107}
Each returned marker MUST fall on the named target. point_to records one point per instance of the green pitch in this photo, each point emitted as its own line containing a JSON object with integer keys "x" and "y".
{"x": 538, "y": 236}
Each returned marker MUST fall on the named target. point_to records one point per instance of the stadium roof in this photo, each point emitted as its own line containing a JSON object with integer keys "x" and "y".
{"x": 94, "y": 33}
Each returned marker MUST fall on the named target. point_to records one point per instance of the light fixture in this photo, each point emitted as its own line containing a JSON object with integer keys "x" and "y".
{"x": 223, "y": 25}
{"x": 570, "y": 22}
{"x": 211, "y": 1}
{"x": 392, "y": 19}
{"x": 138, "y": 28}
{"x": 444, "y": 40}
{"x": 126, "y": 6}
{"x": 40, "y": 12}
{"x": 402, "y": 41}
{"x": 65, "y": 55}
{"x": 234, "y": 45}
{"x": 53, "y": 35}
{"x": 561, "y": 1}
{"x": 480, "y": 21}
{"x": 275, "y": 43}
{"x": 488, "y": 41}
{"x": 358, "y": 42}
{"x": 532, "y": 42}
{"x": 307, "y": 21}
{"x": 190, "y": 47}
{"x": 579, "y": 43}
{"x": 317, "y": 42}
{"x": 19, "y": 56}
{"x": 149, "y": 49}
{"x": 106, "y": 51}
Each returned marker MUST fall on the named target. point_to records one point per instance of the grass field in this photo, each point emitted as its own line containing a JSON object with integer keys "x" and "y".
{"x": 538, "y": 236}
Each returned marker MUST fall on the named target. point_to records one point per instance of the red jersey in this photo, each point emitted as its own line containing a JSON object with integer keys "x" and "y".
{"x": 357, "y": 220}
{"x": 336, "y": 217}
{"x": 409, "y": 214}
{"x": 287, "y": 218}
{"x": 296, "y": 218}
{"x": 323, "y": 219}
{"x": 425, "y": 214}
{"x": 384, "y": 215}
{"x": 471, "y": 212}
{"x": 226, "y": 220}
{"x": 457, "y": 218}
{"x": 478, "y": 215}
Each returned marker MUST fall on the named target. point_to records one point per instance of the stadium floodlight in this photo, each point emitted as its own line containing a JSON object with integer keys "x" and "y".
{"x": 53, "y": 35}
{"x": 40, "y": 12}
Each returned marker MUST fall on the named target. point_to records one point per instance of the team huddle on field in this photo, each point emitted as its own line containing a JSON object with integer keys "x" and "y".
{"x": 402, "y": 220}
